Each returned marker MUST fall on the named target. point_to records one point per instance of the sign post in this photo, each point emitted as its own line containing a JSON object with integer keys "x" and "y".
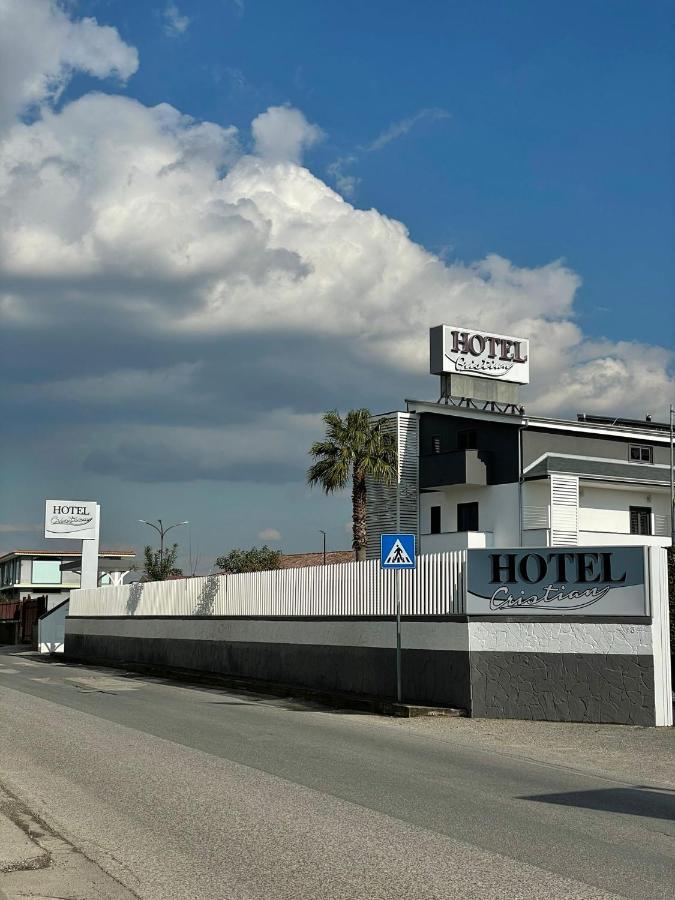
{"x": 397, "y": 552}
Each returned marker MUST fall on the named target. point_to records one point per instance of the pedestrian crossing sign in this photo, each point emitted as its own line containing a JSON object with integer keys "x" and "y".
{"x": 397, "y": 551}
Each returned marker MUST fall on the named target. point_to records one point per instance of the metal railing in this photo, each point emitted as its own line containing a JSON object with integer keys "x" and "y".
{"x": 436, "y": 587}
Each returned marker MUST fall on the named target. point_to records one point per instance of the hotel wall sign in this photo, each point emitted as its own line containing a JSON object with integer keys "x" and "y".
{"x": 70, "y": 519}
{"x": 455, "y": 350}
{"x": 579, "y": 581}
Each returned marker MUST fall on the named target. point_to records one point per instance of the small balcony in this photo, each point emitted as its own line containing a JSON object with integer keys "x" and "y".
{"x": 454, "y": 467}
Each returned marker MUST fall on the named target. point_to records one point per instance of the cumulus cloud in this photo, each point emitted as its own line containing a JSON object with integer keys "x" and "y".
{"x": 198, "y": 307}
{"x": 269, "y": 534}
{"x": 282, "y": 134}
{"x": 42, "y": 46}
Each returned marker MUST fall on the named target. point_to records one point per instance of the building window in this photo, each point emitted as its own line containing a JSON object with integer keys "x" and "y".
{"x": 435, "y": 444}
{"x": 467, "y": 517}
{"x": 435, "y": 520}
{"x": 640, "y": 520}
{"x": 640, "y": 453}
{"x": 46, "y": 571}
{"x": 467, "y": 440}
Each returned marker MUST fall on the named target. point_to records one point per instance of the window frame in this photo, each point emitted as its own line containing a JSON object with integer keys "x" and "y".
{"x": 640, "y": 511}
{"x": 641, "y": 448}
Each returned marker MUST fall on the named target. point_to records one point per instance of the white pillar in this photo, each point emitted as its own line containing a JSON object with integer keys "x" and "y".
{"x": 89, "y": 576}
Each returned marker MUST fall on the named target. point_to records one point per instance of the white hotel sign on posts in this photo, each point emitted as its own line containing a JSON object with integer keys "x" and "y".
{"x": 458, "y": 351}
{"x": 77, "y": 520}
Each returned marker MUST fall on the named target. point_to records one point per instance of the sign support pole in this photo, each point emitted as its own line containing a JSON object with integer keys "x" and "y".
{"x": 399, "y": 575}
{"x": 89, "y": 570}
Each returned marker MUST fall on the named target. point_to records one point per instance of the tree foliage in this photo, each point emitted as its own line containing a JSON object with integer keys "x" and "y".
{"x": 160, "y": 566}
{"x": 257, "y": 559}
{"x": 354, "y": 447}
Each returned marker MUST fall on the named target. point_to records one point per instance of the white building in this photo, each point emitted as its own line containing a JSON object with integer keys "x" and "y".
{"x": 475, "y": 478}
{"x": 54, "y": 573}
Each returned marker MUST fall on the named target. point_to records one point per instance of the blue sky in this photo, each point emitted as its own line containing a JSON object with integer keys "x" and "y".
{"x": 558, "y": 140}
{"x": 221, "y": 218}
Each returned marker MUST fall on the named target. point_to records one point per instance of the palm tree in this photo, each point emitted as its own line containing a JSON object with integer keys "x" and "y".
{"x": 354, "y": 446}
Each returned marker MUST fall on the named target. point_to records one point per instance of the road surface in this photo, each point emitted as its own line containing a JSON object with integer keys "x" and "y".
{"x": 182, "y": 791}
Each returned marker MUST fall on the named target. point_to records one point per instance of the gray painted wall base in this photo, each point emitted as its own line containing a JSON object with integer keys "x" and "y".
{"x": 496, "y": 670}
{"x": 563, "y": 687}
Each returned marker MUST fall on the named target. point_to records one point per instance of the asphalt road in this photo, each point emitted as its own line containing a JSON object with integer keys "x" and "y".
{"x": 190, "y": 792}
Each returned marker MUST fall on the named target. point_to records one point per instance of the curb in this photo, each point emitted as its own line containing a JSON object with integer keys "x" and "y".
{"x": 335, "y": 699}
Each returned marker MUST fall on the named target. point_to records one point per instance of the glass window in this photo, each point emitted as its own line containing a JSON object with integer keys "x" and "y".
{"x": 46, "y": 571}
{"x": 640, "y": 520}
{"x": 467, "y": 517}
{"x": 640, "y": 453}
{"x": 435, "y": 520}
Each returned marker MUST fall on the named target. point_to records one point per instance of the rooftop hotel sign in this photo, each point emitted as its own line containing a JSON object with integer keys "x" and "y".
{"x": 455, "y": 350}
{"x": 551, "y": 581}
{"x": 71, "y": 519}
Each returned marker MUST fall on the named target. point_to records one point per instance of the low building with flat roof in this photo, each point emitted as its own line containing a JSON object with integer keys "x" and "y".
{"x": 54, "y": 573}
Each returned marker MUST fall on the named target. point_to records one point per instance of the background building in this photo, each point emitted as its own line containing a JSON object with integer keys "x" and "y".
{"x": 54, "y": 573}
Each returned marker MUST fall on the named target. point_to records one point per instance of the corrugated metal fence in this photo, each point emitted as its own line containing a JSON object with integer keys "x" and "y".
{"x": 436, "y": 587}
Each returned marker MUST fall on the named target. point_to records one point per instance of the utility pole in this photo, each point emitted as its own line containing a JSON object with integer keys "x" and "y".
{"x": 161, "y": 531}
{"x": 324, "y": 545}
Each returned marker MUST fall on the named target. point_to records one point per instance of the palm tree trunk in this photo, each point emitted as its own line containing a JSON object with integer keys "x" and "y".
{"x": 359, "y": 516}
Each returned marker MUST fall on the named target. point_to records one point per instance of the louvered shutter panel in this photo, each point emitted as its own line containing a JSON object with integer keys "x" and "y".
{"x": 395, "y": 507}
{"x": 564, "y": 510}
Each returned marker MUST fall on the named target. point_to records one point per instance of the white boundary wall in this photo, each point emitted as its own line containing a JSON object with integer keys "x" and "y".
{"x": 436, "y": 587}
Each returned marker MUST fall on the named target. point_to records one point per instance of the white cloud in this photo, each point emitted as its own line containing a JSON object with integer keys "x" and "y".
{"x": 347, "y": 183}
{"x": 155, "y": 233}
{"x": 175, "y": 23}
{"x": 282, "y": 134}
{"x": 269, "y": 534}
{"x": 403, "y": 126}
{"x": 41, "y": 47}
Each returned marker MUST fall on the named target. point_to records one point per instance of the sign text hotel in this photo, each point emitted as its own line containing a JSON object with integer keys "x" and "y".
{"x": 461, "y": 351}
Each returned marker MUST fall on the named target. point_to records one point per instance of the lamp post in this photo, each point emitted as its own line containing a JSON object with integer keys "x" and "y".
{"x": 161, "y": 531}
{"x": 324, "y": 545}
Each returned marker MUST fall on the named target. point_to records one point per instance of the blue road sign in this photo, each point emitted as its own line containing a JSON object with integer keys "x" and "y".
{"x": 397, "y": 551}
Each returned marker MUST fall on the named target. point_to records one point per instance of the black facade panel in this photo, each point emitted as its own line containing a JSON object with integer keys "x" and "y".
{"x": 563, "y": 687}
{"x": 429, "y": 676}
{"x": 497, "y": 445}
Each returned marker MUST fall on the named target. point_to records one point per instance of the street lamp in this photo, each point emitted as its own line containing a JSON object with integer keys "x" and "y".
{"x": 161, "y": 531}
{"x": 324, "y": 545}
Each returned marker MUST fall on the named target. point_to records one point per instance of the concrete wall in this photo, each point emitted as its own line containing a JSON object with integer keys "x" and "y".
{"x": 557, "y": 670}
{"x": 344, "y": 655}
{"x": 563, "y": 671}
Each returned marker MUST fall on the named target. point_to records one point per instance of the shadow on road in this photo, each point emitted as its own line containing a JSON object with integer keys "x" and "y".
{"x": 238, "y": 692}
{"x": 635, "y": 801}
